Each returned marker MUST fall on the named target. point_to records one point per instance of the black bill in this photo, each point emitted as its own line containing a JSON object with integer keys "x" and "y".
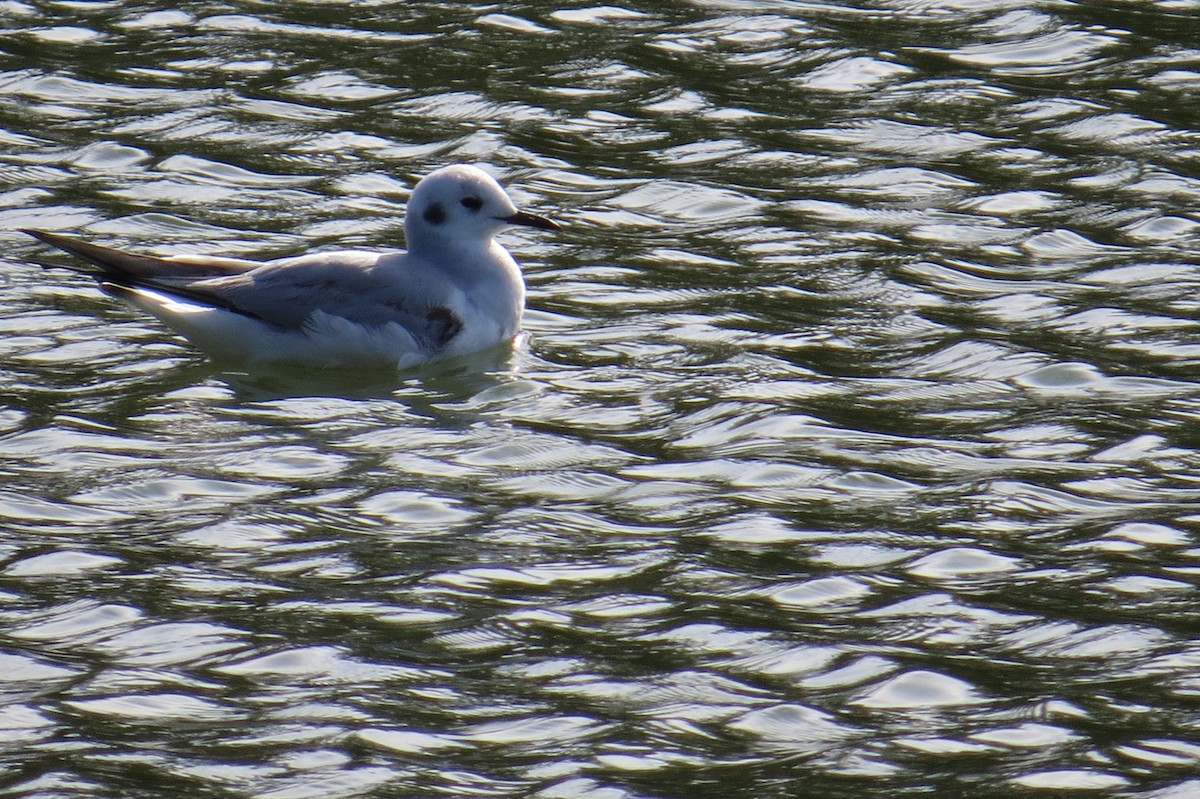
{"x": 531, "y": 220}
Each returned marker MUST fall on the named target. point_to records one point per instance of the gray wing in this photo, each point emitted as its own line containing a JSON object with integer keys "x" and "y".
{"x": 366, "y": 288}
{"x": 362, "y": 287}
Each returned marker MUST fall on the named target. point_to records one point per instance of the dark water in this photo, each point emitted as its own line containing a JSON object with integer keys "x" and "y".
{"x": 853, "y": 450}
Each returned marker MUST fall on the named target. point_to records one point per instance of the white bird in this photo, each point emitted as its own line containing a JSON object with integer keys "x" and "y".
{"x": 455, "y": 291}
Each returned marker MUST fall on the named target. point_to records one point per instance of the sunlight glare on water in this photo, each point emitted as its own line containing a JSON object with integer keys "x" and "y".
{"x": 846, "y": 451}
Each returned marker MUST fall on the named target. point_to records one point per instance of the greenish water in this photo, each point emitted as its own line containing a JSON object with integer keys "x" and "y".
{"x": 851, "y": 451}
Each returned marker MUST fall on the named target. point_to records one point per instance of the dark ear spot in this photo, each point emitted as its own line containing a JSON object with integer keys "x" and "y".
{"x": 435, "y": 214}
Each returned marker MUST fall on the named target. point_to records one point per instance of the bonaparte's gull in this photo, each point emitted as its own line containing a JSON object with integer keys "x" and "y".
{"x": 456, "y": 290}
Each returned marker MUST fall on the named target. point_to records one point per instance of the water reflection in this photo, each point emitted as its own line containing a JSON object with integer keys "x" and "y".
{"x": 464, "y": 379}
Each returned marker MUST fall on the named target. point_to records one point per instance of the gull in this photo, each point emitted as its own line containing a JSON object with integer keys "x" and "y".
{"x": 455, "y": 291}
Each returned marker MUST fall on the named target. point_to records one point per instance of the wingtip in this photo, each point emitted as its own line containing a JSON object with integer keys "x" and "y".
{"x": 47, "y": 238}
{"x": 40, "y": 235}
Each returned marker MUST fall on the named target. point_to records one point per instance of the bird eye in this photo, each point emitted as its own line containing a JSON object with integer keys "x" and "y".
{"x": 473, "y": 203}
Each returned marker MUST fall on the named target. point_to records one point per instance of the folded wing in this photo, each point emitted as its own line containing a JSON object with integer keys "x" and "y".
{"x": 290, "y": 294}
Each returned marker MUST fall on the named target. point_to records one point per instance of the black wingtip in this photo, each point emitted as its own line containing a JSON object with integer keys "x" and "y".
{"x": 53, "y": 239}
{"x": 48, "y": 238}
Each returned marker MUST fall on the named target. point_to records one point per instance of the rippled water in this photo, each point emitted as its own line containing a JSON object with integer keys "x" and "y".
{"x": 852, "y": 451}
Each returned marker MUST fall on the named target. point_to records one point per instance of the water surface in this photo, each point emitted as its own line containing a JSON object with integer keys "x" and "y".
{"x": 852, "y": 449}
